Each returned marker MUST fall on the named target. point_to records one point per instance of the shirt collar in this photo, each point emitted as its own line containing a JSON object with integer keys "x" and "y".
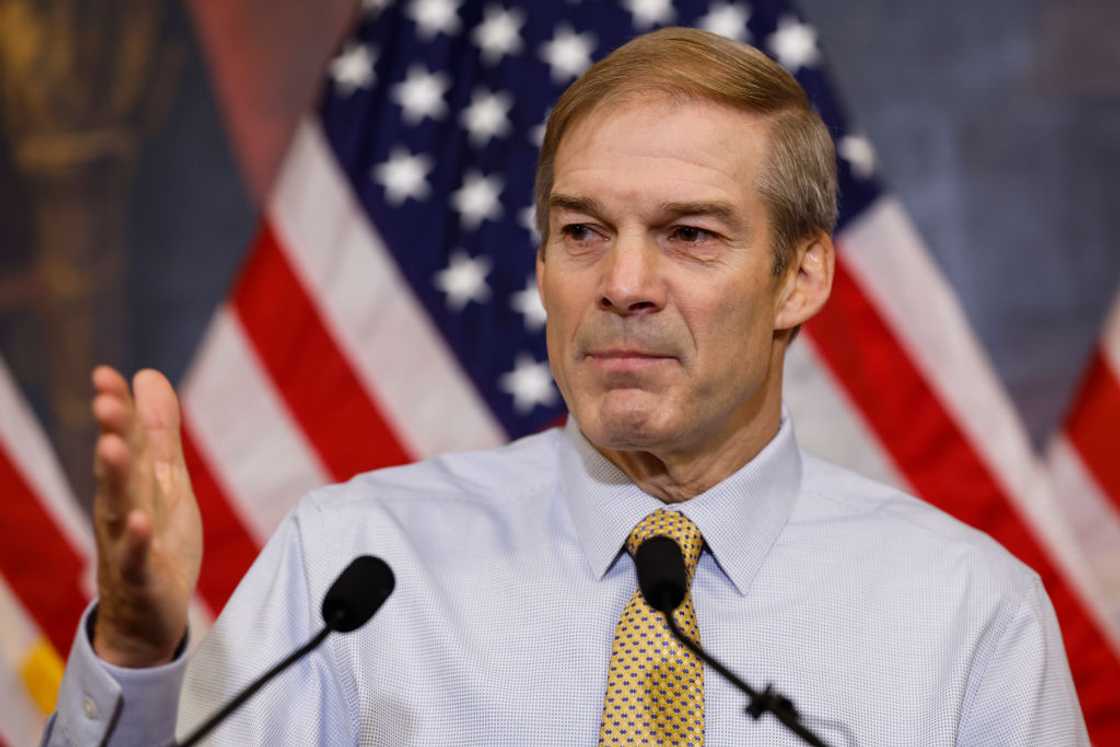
{"x": 740, "y": 517}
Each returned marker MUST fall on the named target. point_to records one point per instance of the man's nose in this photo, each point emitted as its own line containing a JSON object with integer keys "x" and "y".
{"x": 631, "y": 282}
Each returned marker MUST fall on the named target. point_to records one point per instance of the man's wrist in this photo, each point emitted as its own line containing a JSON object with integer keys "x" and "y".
{"x": 129, "y": 654}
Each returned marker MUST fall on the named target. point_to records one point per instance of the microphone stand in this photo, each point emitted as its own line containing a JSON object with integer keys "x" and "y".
{"x": 248, "y": 691}
{"x": 768, "y": 700}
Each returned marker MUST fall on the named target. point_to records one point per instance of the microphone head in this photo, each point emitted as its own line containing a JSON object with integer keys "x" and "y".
{"x": 661, "y": 574}
{"x": 357, "y": 593}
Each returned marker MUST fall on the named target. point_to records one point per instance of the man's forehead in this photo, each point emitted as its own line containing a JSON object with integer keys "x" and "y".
{"x": 678, "y": 156}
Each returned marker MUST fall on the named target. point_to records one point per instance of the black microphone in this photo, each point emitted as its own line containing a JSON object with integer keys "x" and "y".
{"x": 355, "y": 595}
{"x": 663, "y": 581}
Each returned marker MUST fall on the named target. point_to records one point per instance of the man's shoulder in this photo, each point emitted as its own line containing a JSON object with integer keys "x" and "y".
{"x": 904, "y": 529}
{"x": 510, "y": 473}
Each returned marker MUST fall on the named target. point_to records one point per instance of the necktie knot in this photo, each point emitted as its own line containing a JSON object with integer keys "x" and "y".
{"x": 674, "y": 525}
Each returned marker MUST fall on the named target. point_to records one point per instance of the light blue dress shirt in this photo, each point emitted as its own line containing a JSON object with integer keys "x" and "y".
{"x": 883, "y": 619}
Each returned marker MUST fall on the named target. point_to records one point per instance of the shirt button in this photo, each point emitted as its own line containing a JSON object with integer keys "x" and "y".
{"x": 89, "y": 707}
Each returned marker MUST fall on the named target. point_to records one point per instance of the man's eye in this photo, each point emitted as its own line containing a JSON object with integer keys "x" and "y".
{"x": 576, "y": 232}
{"x": 691, "y": 234}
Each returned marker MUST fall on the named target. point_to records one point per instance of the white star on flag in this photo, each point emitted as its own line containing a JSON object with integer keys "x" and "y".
{"x": 648, "y": 13}
{"x": 353, "y": 68}
{"x": 727, "y": 19}
{"x": 568, "y": 53}
{"x": 536, "y": 134}
{"x": 794, "y": 44}
{"x": 420, "y": 94}
{"x": 404, "y": 175}
{"x": 464, "y": 280}
{"x": 528, "y": 219}
{"x": 374, "y": 7}
{"x": 487, "y": 116}
{"x": 530, "y": 384}
{"x": 528, "y": 303}
{"x": 435, "y": 16}
{"x": 499, "y": 33}
{"x": 477, "y": 199}
{"x": 857, "y": 151}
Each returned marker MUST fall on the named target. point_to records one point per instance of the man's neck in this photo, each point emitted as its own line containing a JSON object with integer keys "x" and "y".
{"x": 675, "y": 477}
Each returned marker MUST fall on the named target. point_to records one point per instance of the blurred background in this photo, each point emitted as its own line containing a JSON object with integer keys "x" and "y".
{"x": 139, "y": 138}
{"x": 139, "y": 141}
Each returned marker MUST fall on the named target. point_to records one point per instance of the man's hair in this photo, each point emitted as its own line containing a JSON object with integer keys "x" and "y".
{"x": 798, "y": 180}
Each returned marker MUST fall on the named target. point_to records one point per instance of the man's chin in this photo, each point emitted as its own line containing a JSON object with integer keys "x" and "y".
{"x": 628, "y": 423}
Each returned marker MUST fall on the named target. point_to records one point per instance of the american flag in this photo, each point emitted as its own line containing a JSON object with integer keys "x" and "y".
{"x": 387, "y": 313}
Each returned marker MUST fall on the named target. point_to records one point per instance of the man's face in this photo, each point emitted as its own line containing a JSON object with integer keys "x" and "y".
{"x": 657, "y": 275}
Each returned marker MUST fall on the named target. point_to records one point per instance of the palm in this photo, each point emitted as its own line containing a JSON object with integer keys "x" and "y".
{"x": 149, "y": 533}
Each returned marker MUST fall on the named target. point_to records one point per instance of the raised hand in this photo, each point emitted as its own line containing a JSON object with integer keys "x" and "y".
{"x": 146, "y": 521}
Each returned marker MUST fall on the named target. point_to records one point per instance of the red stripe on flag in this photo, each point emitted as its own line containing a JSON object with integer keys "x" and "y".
{"x": 38, "y": 562}
{"x": 940, "y": 462}
{"x": 308, "y": 368}
{"x": 228, "y": 548}
{"x": 1094, "y": 425}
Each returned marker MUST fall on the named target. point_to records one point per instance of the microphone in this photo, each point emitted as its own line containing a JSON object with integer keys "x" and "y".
{"x": 357, "y": 593}
{"x": 664, "y": 582}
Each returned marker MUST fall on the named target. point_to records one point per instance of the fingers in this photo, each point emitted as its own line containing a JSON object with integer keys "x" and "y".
{"x": 112, "y": 402}
{"x": 111, "y": 462}
{"x": 157, "y": 410}
{"x": 106, "y": 380}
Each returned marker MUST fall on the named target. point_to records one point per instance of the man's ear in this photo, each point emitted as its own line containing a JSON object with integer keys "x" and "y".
{"x": 807, "y": 283}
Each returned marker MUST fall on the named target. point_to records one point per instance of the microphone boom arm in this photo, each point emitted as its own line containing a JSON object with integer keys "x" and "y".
{"x": 768, "y": 700}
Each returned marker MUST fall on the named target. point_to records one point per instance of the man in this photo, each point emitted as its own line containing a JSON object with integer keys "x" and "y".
{"x": 685, "y": 196}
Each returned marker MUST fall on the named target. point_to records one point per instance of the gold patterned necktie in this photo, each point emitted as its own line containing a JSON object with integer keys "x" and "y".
{"x": 655, "y": 686}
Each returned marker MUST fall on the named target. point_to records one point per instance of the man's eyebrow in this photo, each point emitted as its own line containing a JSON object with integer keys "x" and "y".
{"x": 586, "y": 205}
{"x": 723, "y": 211}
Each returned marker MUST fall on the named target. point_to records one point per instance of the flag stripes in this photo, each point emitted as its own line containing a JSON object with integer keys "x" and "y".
{"x": 887, "y": 258}
{"x": 46, "y": 577}
{"x": 341, "y": 422}
{"x": 364, "y": 300}
{"x": 37, "y": 561}
{"x": 908, "y": 418}
{"x": 246, "y": 434}
{"x": 24, "y": 669}
{"x": 1083, "y": 464}
{"x": 1094, "y": 521}
{"x": 1094, "y": 423}
{"x": 228, "y": 548}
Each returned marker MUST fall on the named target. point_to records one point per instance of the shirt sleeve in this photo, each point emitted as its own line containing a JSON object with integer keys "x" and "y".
{"x": 275, "y": 609}
{"x": 99, "y": 703}
{"x": 1023, "y": 692}
{"x": 272, "y": 612}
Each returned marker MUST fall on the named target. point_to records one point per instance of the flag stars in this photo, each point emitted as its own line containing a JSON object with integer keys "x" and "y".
{"x": 527, "y": 217}
{"x": 527, "y": 302}
{"x": 374, "y": 7}
{"x": 464, "y": 280}
{"x": 857, "y": 151}
{"x": 487, "y": 116}
{"x": 353, "y": 68}
{"x": 794, "y": 44}
{"x": 536, "y": 133}
{"x": 727, "y": 19}
{"x": 649, "y": 13}
{"x": 477, "y": 199}
{"x": 403, "y": 176}
{"x": 499, "y": 33}
{"x": 434, "y": 17}
{"x": 568, "y": 53}
{"x": 420, "y": 95}
{"x": 529, "y": 383}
